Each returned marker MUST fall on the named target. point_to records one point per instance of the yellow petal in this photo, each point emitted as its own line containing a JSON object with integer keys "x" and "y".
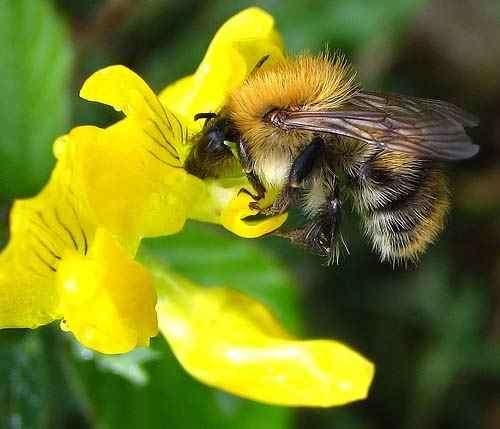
{"x": 233, "y": 342}
{"x": 234, "y": 214}
{"x": 124, "y": 90}
{"x": 54, "y": 268}
{"x": 42, "y": 229}
{"x": 27, "y": 297}
{"x": 106, "y": 298}
{"x": 233, "y": 53}
{"x": 134, "y": 194}
{"x": 130, "y": 189}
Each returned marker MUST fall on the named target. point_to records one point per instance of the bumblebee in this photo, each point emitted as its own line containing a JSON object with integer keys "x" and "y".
{"x": 306, "y": 132}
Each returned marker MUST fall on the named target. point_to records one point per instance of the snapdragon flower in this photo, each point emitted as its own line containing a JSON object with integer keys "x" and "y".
{"x": 71, "y": 254}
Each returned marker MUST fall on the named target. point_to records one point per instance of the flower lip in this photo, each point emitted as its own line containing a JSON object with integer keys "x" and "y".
{"x": 237, "y": 218}
{"x": 106, "y": 298}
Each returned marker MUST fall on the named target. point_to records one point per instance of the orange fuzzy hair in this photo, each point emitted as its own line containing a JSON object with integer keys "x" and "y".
{"x": 305, "y": 82}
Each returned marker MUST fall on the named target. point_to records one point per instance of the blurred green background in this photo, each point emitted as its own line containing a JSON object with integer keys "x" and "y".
{"x": 433, "y": 331}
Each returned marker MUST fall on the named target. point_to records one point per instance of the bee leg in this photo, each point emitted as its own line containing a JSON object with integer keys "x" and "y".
{"x": 300, "y": 170}
{"x": 330, "y": 231}
{"x": 247, "y": 165}
{"x": 280, "y": 204}
{"x": 321, "y": 235}
{"x": 259, "y": 189}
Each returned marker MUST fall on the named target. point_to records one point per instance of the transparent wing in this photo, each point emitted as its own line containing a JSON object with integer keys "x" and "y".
{"x": 428, "y": 128}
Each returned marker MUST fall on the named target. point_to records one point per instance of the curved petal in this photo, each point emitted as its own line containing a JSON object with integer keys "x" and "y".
{"x": 236, "y": 48}
{"x": 121, "y": 88}
{"x": 130, "y": 188}
{"x": 106, "y": 298}
{"x": 233, "y": 342}
{"x": 56, "y": 266}
{"x": 234, "y": 214}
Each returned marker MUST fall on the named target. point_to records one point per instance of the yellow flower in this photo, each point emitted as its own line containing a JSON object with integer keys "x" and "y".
{"x": 60, "y": 264}
{"x": 229, "y": 340}
{"x": 72, "y": 247}
{"x": 154, "y": 195}
{"x": 239, "y": 44}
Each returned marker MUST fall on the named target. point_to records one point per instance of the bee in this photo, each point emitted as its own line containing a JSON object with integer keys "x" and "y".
{"x": 306, "y": 132}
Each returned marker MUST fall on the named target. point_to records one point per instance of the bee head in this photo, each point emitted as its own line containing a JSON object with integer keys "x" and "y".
{"x": 210, "y": 156}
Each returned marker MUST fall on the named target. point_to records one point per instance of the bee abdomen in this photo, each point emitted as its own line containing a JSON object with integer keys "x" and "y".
{"x": 403, "y": 206}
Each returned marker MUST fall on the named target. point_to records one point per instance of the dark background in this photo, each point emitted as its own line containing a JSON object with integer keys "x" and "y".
{"x": 433, "y": 330}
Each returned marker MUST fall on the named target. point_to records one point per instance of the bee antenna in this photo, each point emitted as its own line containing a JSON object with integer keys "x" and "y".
{"x": 260, "y": 63}
{"x": 205, "y": 115}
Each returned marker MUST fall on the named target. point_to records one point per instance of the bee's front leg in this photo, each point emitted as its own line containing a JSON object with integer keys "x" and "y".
{"x": 301, "y": 168}
{"x": 247, "y": 166}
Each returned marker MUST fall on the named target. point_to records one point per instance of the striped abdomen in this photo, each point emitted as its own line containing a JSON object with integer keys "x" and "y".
{"x": 402, "y": 199}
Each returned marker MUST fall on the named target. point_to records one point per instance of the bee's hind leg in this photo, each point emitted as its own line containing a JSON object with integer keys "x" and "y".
{"x": 322, "y": 234}
{"x": 300, "y": 170}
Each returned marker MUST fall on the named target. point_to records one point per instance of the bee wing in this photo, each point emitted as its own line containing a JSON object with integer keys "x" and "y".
{"x": 428, "y": 128}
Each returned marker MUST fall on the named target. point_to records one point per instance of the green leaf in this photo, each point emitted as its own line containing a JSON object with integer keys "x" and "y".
{"x": 35, "y": 68}
{"x": 34, "y": 389}
{"x": 24, "y": 378}
{"x": 348, "y": 24}
{"x": 130, "y": 365}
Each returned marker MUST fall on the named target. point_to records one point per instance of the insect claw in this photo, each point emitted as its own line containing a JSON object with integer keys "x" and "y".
{"x": 254, "y": 205}
{"x": 254, "y": 197}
